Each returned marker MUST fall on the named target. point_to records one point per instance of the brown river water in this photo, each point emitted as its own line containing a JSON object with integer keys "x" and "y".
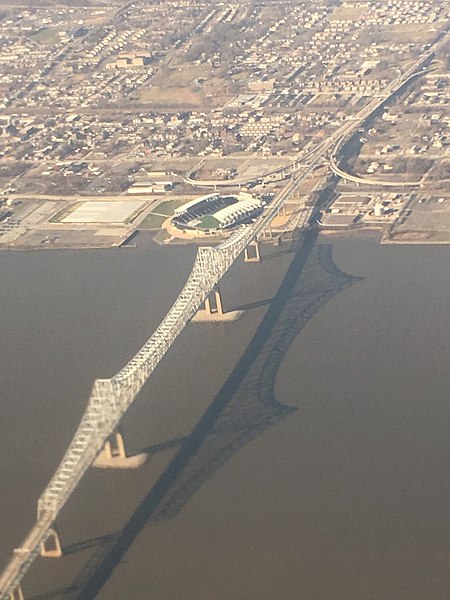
{"x": 302, "y": 452}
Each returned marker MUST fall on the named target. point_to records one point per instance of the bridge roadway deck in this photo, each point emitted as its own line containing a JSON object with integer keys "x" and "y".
{"x": 110, "y": 398}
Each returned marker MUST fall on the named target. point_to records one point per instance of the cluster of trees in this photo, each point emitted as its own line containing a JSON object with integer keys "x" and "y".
{"x": 224, "y": 39}
{"x": 441, "y": 171}
{"x": 217, "y": 40}
{"x": 13, "y": 169}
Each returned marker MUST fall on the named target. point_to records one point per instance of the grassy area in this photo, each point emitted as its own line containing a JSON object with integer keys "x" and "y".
{"x": 184, "y": 74}
{"x": 404, "y": 33}
{"x": 152, "y": 221}
{"x": 173, "y": 96}
{"x": 155, "y": 219}
{"x": 348, "y": 13}
{"x": 61, "y": 214}
{"x": 208, "y": 222}
{"x": 47, "y": 35}
{"x": 168, "y": 206}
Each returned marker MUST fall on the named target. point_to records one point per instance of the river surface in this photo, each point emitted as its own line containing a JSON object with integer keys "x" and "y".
{"x": 302, "y": 452}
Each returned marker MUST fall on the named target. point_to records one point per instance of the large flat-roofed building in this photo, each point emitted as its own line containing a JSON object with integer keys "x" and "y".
{"x": 150, "y": 187}
{"x": 104, "y": 211}
{"x": 130, "y": 61}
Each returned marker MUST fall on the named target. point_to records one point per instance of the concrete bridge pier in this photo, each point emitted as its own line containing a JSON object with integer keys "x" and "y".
{"x": 17, "y": 594}
{"x": 256, "y": 256}
{"x": 52, "y": 548}
{"x": 213, "y": 311}
{"x": 113, "y": 455}
{"x": 217, "y": 302}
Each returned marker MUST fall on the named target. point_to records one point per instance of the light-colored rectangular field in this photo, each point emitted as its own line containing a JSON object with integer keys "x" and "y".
{"x": 103, "y": 212}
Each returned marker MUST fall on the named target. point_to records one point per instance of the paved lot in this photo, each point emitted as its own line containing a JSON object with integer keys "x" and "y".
{"x": 103, "y": 212}
{"x": 428, "y": 214}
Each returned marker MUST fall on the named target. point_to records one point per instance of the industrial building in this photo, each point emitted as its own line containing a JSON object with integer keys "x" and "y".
{"x": 150, "y": 187}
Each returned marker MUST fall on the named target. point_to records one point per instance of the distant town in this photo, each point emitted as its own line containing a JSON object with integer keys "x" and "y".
{"x": 185, "y": 119}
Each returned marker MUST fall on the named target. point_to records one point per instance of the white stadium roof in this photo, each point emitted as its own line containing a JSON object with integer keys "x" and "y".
{"x": 188, "y": 205}
{"x": 226, "y": 216}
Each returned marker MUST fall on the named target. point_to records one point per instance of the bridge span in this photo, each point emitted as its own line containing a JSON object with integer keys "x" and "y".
{"x": 110, "y": 398}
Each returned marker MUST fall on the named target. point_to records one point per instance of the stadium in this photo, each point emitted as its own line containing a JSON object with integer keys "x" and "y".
{"x": 216, "y": 212}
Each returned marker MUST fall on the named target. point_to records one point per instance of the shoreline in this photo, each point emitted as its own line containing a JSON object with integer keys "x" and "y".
{"x": 135, "y": 239}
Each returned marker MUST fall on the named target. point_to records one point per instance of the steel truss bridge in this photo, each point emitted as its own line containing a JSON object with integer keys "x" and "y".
{"x": 110, "y": 398}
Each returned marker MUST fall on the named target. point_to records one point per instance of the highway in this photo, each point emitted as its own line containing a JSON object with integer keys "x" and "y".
{"x": 366, "y": 181}
{"x": 415, "y": 70}
{"x": 337, "y": 138}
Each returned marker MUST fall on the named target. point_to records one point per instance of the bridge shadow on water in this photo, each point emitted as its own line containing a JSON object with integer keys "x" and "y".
{"x": 243, "y": 408}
